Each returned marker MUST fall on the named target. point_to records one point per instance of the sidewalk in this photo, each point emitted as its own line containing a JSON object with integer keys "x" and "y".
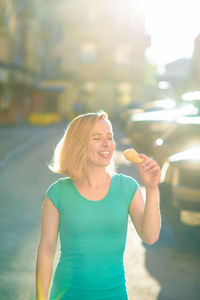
{"x": 19, "y": 138}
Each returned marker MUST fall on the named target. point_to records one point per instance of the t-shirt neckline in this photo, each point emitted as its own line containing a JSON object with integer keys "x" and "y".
{"x": 95, "y": 201}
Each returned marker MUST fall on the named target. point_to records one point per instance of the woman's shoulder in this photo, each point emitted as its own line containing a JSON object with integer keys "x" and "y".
{"x": 126, "y": 186}
{"x": 61, "y": 182}
{"x": 124, "y": 178}
{"x": 56, "y": 191}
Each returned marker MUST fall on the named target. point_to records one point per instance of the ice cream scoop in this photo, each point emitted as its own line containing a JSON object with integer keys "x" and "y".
{"x": 133, "y": 156}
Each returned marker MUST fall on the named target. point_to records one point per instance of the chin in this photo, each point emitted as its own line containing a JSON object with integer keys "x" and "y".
{"x": 103, "y": 165}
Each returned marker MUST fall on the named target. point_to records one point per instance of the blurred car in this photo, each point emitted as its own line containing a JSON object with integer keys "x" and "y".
{"x": 138, "y": 108}
{"x": 145, "y": 128}
{"x": 159, "y": 105}
{"x": 128, "y": 111}
{"x": 185, "y": 133}
{"x": 180, "y": 189}
{"x": 44, "y": 119}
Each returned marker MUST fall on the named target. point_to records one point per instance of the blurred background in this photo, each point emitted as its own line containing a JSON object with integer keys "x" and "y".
{"x": 63, "y": 58}
{"x": 140, "y": 62}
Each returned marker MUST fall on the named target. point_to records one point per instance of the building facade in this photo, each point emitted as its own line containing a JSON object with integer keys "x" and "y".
{"x": 70, "y": 57}
{"x": 27, "y": 38}
{"x": 103, "y": 54}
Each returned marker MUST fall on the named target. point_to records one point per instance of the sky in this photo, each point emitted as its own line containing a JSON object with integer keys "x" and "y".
{"x": 173, "y": 25}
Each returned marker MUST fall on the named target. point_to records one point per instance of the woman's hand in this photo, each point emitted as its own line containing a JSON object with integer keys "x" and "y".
{"x": 149, "y": 172}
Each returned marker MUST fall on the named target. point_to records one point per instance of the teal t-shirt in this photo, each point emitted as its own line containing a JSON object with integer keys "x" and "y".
{"x": 92, "y": 239}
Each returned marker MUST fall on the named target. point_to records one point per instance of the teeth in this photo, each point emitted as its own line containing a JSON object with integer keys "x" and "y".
{"x": 105, "y": 153}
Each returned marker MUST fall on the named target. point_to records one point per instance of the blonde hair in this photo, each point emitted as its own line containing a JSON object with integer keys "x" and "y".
{"x": 70, "y": 154}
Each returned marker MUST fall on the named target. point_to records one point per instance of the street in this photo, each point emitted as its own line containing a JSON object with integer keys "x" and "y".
{"x": 168, "y": 270}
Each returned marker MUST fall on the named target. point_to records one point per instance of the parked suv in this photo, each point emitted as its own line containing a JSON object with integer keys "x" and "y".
{"x": 145, "y": 128}
{"x": 185, "y": 134}
{"x": 180, "y": 189}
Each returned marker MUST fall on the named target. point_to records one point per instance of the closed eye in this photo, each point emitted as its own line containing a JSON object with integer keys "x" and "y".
{"x": 97, "y": 139}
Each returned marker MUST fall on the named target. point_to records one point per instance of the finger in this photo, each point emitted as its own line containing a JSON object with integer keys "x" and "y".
{"x": 150, "y": 165}
{"x": 143, "y": 156}
{"x": 154, "y": 169}
{"x": 145, "y": 164}
{"x": 141, "y": 167}
{"x": 148, "y": 162}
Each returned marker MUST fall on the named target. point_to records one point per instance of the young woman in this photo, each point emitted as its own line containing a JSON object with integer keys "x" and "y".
{"x": 89, "y": 208}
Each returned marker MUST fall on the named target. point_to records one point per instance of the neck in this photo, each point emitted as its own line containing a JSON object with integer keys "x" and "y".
{"x": 95, "y": 177}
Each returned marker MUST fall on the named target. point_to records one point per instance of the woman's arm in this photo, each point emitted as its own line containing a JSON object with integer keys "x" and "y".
{"x": 146, "y": 214}
{"x": 46, "y": 249}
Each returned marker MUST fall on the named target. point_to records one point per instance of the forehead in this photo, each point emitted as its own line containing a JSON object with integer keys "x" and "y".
{"x": 102, "y": 126}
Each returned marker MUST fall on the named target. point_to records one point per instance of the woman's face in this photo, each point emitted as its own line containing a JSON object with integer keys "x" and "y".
{"x": 101, "y": 144}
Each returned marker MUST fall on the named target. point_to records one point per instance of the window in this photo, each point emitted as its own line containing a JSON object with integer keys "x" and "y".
{"x": 88, "y": 87}
{"x": 124, "y": 92}
{"x": 88, "y": 52}
{"x": 122, "y": 54}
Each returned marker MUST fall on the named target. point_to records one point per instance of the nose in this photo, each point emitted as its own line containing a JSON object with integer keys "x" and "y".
{"x": 105, "y": 141}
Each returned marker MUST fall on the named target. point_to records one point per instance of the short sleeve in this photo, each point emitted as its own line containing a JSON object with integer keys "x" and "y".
{"x": 130, "y": 186}
{"x": 53, "y": 194}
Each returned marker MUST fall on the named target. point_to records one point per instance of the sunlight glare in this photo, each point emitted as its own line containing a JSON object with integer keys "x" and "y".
{"x": 173, "y": 25}
{"x": 192, "y": 154}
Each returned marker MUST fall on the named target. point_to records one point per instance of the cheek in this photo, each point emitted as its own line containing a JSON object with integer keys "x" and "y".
{"x": 92, "y": 149}
{"x": 112, "y": 147}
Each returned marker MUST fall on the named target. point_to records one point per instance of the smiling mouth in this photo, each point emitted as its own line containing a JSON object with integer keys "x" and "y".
{"x": 104, "y": 154}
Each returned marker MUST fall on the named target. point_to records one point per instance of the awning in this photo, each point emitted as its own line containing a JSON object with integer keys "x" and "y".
{"x": 52, "y": 87}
